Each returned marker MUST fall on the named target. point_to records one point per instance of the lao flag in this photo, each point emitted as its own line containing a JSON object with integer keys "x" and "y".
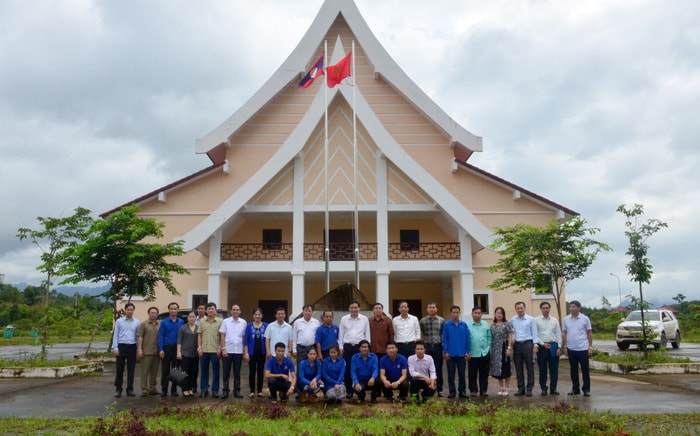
{"x": 315, "y": 71}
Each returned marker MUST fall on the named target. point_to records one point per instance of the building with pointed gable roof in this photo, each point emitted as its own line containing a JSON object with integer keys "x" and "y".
{"x": 253, "y": 223}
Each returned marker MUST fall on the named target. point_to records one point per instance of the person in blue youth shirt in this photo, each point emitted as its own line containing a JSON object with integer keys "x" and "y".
{"x": 309, "y": 382}
{"x": 280, "y": 375}
{"x": 364, "y": 372}
{"x": 326, "y": 335}
{"x": 167, "y": 347}
{"x": 393, "y": 373}
{"x": 455, "y": 344}
{"x": 333, "y": 375}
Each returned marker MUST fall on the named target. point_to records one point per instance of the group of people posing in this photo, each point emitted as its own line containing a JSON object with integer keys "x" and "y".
{"x": 377, "y": 355}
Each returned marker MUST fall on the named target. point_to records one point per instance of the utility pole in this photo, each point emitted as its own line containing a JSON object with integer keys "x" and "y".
{"x": 619, "y": 291}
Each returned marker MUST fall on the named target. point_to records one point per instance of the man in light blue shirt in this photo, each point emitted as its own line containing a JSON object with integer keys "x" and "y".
{"x": 479, "y": 358}
{"x": 124, "y": 347}
{"x": 525, "y": 348}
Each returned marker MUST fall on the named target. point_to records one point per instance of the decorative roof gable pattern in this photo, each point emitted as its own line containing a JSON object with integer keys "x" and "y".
{"x": 306, "y": 52}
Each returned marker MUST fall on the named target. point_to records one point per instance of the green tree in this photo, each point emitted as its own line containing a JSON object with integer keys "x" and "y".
{"x": 116, "y": 250}
{"x": 32, "y": 295}
{"x": 682, "y": 304}
{"x": 9, "y": 294}
{"x": 544, "y": 258}
{"x": 53, "y": 239}
{"x": 639, "y": 268}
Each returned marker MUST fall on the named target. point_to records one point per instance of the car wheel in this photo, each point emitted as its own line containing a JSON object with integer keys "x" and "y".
{"x": 677, "y": 341}
{"x": 623, "y": 345}
{"x": 663, "y": 342}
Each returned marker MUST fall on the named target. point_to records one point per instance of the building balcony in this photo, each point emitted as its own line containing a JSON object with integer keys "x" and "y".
{"x": 341, "y": 251}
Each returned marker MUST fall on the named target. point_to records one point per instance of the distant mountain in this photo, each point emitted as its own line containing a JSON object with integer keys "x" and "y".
{"x": 71, "y": 290}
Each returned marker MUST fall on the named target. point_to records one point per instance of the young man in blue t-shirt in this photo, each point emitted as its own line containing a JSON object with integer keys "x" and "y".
{"x": 393, "y": 373}
{"x": 280, "y": 375}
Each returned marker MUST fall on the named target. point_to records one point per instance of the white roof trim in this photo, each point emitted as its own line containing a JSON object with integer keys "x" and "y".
{"x": 290, "y": 148}
{"x": 199, "y": 235}
{"x": 298, "y": 62}
{"x": 395, "y": 153}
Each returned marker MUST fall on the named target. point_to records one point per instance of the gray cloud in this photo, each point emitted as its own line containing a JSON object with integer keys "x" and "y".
{"x": 589, "y": 104}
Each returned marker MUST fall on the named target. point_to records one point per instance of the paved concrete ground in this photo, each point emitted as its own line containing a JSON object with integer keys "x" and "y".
{"x": 93, "y": 395}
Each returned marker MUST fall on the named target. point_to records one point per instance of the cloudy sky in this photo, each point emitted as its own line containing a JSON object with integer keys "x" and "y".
{"x": 590, "y": 104}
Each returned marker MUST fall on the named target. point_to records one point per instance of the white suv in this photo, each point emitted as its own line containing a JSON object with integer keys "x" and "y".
{"x": 662, "y": 322}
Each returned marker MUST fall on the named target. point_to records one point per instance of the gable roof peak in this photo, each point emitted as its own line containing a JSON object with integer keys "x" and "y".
{"x": 463, "y": 141}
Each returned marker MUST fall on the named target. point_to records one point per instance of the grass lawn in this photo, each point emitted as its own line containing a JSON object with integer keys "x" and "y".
{"x": 438, "y": 418}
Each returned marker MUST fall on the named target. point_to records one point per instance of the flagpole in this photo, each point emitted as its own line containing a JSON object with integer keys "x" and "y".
{"x": 354, "y": 147}
{"x": 326, "y": 251}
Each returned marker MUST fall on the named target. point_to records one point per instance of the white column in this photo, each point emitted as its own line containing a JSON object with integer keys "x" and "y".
{"x": 382, "y": 233}
{"x": 466, "y": 273}
{"x": 298, "y": 292}
{"x": 214, "y": 273}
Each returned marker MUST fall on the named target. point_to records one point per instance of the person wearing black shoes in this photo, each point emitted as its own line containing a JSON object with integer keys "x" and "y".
{"x": 232, "y": 332}
{"x": 549, "y": 332}
{"x": 456, "y": 344}
{"x": 525, "y": 348}
{"x": 124, "y": 347}
{"x": 167, "y": 347}
{"x": 393, "y": 373}
{"x": 280, "y": 374}
{"x": 577, "y": 340}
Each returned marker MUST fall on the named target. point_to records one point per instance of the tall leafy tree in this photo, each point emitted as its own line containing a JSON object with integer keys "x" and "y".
{"x": 639, "y": 267}
{"x": 122, "y": 249}
{"x": 55, "y": 236}
{"x": 544, "y": 258}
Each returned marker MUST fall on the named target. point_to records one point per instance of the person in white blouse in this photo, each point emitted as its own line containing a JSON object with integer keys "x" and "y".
{"x": 406, "y": 330}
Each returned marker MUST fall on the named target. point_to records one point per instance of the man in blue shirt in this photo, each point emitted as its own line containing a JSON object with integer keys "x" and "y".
{"x": 364, "y": 371}
{"x": 280, "y": 375}
{"x": 393, "y": 373}
{"x": 525, "y": 340}
{"x": 455, "y": 344}
{"x": 124, "y": 347}
{"x": 167, "y": 347}
{"x": 326, "y": 335}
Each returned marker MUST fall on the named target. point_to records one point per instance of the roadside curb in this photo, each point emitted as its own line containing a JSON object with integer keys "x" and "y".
{"x": 659, "y": 368}
{"x": 52, "y": 372}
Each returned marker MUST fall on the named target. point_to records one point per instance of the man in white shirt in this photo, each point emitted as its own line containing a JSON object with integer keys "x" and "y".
{"x": 421, "y": 367}
{"x": 278, "y": 331}
{"x": 232, "y": 331}
{"x": 406, "y": 330}
{"x": 304, "y": 334}
{"x": 354, "y": 328}
{"x": 549, "y": 334}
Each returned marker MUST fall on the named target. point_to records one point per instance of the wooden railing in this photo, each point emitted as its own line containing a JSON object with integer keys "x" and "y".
{"x": 338, "y": 251}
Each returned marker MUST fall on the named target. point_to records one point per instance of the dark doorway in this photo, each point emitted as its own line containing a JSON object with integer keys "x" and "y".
{"x": 269, "y": 307}
{"x": 415, "y": 307}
